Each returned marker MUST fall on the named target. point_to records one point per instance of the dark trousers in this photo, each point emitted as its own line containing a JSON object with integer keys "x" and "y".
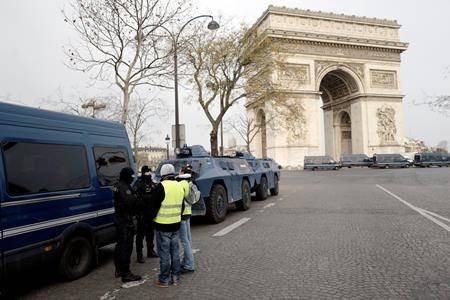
{"x": 144, "y": 230}
{"x": 124, "y": 247}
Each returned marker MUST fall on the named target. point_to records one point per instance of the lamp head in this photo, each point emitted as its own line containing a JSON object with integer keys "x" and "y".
{"x": 213, "y": 25}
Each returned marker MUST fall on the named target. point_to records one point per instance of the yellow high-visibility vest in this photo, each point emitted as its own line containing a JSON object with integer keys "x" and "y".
{"x": 170, "y": 211}
{"x": 187, "y": 207}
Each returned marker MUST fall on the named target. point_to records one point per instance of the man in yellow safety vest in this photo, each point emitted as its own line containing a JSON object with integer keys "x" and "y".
{"x": 166, "y": 209}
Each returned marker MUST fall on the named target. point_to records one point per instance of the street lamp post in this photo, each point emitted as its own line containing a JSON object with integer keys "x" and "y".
{"x": 212, "y": 25}
{"x": 167, "y": 144}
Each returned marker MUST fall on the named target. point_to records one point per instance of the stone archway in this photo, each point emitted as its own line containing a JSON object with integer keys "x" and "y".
{"x": 338, "y": 87}
{"x": 262, "y": 135}
{"x": 345, "y": 127}
{"x": 346, "y": 66}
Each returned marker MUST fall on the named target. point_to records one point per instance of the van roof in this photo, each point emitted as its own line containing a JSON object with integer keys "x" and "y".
{"x": 12, "y": 113}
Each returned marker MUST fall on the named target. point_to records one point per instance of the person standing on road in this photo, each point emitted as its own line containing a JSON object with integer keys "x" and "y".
{"x": 125, "y": 205}
{"x": 144, "y": 187}
{"x": 166, "y": 207}
{"x": 187, "y": 263}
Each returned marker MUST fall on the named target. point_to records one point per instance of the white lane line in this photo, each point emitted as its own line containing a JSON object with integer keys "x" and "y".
{"x": 435, "y": 215}
{"x": 269, "y": 205}
{"x": 232, "y": 227}
{"x": 417, "y": 209}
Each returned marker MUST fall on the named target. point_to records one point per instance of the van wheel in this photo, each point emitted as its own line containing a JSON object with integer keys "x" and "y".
{"x": 261, "y": 191}
{"x": 217, "y": 205}
{"x": 314, "y": 169}
{"x": 76, "y": 259}
{"x": 246, "y": 201}
{"x": 276, "y": 187}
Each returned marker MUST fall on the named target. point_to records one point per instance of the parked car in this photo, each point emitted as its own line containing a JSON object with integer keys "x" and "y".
{"x": 56, "y": 173}
{"x": 220, "y": 180}
{"x": 426, "y": 160}
{"x": 385, "y": 161}
{"x": 355, "y": 160}
{"x": 267, "y": 175}
{"x": 320, "y": 163}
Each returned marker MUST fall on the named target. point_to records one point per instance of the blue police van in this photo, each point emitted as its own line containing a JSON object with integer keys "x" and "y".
{"x": 56, "y": 173}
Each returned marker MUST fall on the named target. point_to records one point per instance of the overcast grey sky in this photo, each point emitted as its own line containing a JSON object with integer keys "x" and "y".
{"x": 32, "y": 34}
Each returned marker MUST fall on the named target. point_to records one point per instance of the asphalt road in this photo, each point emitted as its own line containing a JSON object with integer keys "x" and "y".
{"x": 353, "y": 234}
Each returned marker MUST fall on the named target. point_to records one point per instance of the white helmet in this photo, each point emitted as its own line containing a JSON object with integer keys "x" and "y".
{"x": 167, "y": 169}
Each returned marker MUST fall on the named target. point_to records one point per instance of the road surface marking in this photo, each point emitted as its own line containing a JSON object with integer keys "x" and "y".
{"x": 195, "y": 251}
{"x": 232, "y": 227}
{"x": 269, "y": 205}
{"x": 417, "y": 209}
{"x": 435, "y": 215}
{"x": 281, "y": 199}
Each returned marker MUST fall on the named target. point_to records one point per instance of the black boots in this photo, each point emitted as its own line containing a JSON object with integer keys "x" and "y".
{"x": 129, "y": 277}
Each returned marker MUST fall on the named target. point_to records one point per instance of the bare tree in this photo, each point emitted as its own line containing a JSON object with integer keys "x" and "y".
{"x": 140, "y": 113}
{"x": 122, "y": 42}
{"x": 226, "y": 68}
{"x": 247, "y": 128}
{"x": 76, "y": 103}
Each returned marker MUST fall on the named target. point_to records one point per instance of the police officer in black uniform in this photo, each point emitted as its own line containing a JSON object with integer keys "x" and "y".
{"x": 144, "y": 187}
{"x": 125, "y": 204}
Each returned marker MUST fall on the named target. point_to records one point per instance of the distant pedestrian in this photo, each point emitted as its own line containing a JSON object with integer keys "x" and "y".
{"x": 166, "y": 208}
{"x": 144, "y": 187}
{"x": 125, "y": 204}
{"x": 187, "y": 263}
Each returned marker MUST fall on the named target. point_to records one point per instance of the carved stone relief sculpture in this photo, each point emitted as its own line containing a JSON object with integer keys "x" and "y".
{"x": 383, "y": 79}
{"x": 387, "y": 130}
{"x": 295, "y": 73}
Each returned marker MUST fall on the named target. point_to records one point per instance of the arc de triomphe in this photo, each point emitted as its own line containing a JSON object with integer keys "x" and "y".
{"x": 347, "y": 66}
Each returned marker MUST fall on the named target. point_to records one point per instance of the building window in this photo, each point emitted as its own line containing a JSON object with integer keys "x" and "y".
{"x": 109, "y": 162}
{"x": 33, "y": 168}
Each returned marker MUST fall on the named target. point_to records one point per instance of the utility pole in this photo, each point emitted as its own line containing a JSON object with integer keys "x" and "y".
{"x": 94, "y": 105}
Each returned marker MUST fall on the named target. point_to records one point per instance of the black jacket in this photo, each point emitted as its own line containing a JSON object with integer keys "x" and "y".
{"x": 143, "y": 188}
{"x": 157, "y": 197}
{"x": 125, "y": 203}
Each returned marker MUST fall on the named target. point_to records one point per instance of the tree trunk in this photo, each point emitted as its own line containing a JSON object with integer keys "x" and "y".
{"x": 126, "y": 103}
{"x": 213, "y": 140}
{"x": 248, "y": 148}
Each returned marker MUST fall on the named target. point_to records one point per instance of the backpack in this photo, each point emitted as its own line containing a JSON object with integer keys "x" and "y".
{"x": 194, "y": 194}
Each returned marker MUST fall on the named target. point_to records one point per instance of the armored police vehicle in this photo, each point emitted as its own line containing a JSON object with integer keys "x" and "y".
{"x": 56, "y": 173}
{"x": 220, "y": 180}
{"x": 355, "y": 160}
{"x": 267, "y": 175}
{"x": 426, "y": 160}
{"x": 315, "y": 163}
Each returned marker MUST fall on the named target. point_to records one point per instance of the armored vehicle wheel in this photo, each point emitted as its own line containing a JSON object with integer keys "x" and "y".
{"x": 276, "y": 188}
{"x": 76, "y": 259}
{"x": 261, "y": 191}
{"x": 246, "y": 201}
{"x": 217, "y": 205}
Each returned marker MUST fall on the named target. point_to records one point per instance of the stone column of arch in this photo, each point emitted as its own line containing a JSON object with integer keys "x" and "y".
{"x": 333, "y": 64}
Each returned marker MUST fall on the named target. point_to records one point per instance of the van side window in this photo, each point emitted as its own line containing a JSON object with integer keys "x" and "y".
{"x": 33, "y": 168}
{"x": 109, "y": 162}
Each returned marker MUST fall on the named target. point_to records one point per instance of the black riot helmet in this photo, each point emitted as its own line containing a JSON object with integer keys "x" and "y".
{"x": 126, "y": 175}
